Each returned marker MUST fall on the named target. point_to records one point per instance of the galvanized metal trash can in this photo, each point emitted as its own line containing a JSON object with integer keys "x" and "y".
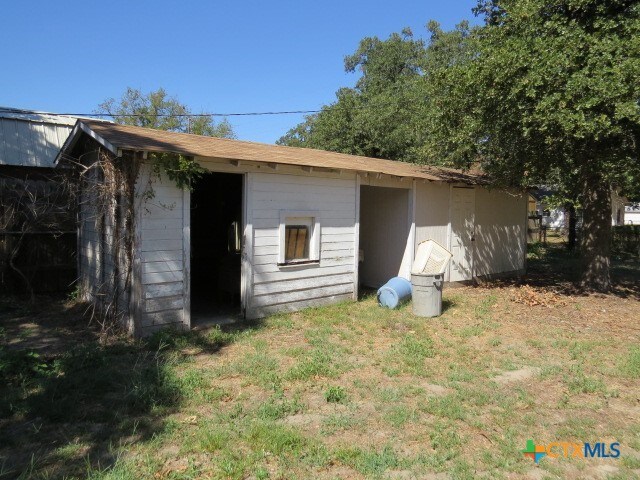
{"x": 427, "y": 294}
{"x": 427, "y": 278}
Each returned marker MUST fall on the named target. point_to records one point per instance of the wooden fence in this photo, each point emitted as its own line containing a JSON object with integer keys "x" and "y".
{"x": 626, "y": 240}
{"x": 37, "y": 232}
{"x": 46, "y": 259}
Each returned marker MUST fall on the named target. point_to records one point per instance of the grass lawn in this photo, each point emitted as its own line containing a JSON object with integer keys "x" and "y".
{"x": 348, "y": 391}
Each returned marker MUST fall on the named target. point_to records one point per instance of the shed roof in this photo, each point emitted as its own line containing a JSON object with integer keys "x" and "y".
{"x": 123, "y": 137}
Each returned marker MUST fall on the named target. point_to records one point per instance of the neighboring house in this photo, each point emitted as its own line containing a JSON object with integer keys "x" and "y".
{"x": 31, "y": 249}
{"x": 557, "y": 218}
{"x": 275, "y": 228}
{"x": 618, "y": 203}
{"x": 551, "y": 218}
{"x": 632, "y": 214}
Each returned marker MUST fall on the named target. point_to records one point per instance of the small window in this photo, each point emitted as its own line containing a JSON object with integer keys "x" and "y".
{"x": 296, "y": 246}
{"x": 299, "y": 238}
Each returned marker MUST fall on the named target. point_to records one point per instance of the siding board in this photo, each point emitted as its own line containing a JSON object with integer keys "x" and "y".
{"x": 165, "y": 266}
{"x": 294, "y": 306}
{"x": 164, "y": 233}
{"x": 162, "y": 277}
{"x": 149, "y": 245}
{"x": 270, "y": 266}
{"x": 500, "y": 232}
{"x": 162, "y": 318}
{"x": 163, "y": 303}
{"x": 299, "y": 279}
{"x": 314, "y": 293}
{"x": 278, "y": 288}
{"x": 333, "y": 222}
{"x": 161, "y": 256}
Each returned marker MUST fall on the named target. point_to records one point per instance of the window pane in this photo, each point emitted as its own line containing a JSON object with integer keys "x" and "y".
{"x": 296, "y": 242}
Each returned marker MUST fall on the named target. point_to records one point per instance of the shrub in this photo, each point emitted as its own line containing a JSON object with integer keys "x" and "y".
{"x": 335, "y": 394}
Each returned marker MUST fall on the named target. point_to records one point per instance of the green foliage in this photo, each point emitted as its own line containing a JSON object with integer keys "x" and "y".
{"x": 181, "y": 170}
{"x": 409, "y": 355}
{"x": 543, "y": 93}
{"x": 324, "y": 359}
{"x": 448, "y": 406}
{"x": 160, "y": 111}
{"x": 335, "y": 394}
{"x": 631, "y": 366}
{"x": 377, "y": 117}
{"x": 549, "y": 95}
{"x": 398, "y": 415}
{"x": 212, "y": 437}
{"x": 278, "y": 406}
{"x": 275, "y": 438}
{"x": 550, "y": 86}
{"x": 386, "y": 114}
{"x": 371, "y": 463}
{"x": 578, "y": 382}
{"x": 67, "y": 387}
{"x": 17, "y": 367}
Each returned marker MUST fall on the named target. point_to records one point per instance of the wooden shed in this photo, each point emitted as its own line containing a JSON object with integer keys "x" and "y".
{"x": 272, "y": 228}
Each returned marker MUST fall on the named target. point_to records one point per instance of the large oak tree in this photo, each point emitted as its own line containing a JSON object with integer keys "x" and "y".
{"x": 377, "y": 117}
{"x": 550, "y": 91}
{"x": 545, "y": 92}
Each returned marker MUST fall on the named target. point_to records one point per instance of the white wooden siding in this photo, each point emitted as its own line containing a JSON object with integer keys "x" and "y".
{"x": 462, "y": 233}
{"x": 161, "y": 252}
{"x": 501, "y": 220}
{"x": 286, "y": 288}
{"x": 432, "y": 212}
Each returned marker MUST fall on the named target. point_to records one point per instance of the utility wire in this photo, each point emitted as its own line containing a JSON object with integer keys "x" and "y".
{"x": 234, "y": 114}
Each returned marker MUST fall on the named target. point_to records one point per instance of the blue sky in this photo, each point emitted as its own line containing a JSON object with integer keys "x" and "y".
{"x": 215, "y": 56}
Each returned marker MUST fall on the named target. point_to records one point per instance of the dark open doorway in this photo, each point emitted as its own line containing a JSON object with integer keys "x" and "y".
{"x": 216, "y": 235}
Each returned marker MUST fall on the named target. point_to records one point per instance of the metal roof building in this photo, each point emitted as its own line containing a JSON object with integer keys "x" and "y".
{"x": 32, "y": 139}
{"x": 37, "y": 224}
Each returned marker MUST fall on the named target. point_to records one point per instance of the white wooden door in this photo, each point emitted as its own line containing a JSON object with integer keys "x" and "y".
{"x": 463, "y": 206}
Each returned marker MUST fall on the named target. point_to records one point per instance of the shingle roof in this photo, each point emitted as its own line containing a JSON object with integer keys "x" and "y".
{"x": 124, "y": 137}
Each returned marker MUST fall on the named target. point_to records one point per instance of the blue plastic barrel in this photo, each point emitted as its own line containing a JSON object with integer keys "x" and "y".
{"x": 394, "y": 292}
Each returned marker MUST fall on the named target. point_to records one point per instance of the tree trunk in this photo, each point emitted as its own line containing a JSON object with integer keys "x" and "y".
{"x": 595, "y": 240}
{"x": 571, "y": 214}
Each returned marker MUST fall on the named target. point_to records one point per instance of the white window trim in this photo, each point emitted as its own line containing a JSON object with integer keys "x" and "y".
{"x": 314, "y": 241}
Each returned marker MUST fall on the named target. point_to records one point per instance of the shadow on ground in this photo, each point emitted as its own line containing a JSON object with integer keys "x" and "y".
{"x": 555, "y": 268}
{"x": 69, "y": 396}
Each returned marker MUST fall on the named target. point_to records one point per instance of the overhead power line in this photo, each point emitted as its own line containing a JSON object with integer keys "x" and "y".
{"x": 214, "y": 114}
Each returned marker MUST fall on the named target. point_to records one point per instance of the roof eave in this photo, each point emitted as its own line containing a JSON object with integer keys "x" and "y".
{"x": 75, "y": 135}
{"x": 446, "y": 176}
